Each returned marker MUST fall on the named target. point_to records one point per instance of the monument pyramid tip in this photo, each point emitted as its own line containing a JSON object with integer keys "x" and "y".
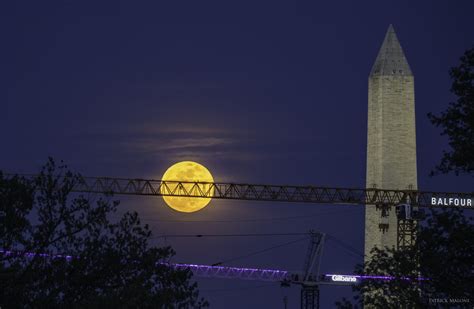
{"x": 391, "y": 59}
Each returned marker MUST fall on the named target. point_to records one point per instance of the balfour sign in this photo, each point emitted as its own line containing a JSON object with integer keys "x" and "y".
{"x": 451, "y": 201}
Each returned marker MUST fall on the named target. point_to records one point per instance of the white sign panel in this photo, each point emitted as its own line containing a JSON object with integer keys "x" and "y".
{"x": 451, "y": 201}
{"x": 341, "y": 278}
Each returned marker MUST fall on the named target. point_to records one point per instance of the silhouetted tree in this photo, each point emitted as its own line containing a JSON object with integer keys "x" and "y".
{"x": 457, "y": 122}
{"x": 443, "y": 255}
{"x": 110, "y": 264}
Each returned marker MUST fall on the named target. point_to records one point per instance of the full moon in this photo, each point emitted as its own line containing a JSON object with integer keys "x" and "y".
{"x": 187, "y": 171}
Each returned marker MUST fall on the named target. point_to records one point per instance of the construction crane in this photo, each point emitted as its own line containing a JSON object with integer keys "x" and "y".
{"x": 309, "y": 279}
{"x": 310, "y": 275}
{"x": 407, "y": 202}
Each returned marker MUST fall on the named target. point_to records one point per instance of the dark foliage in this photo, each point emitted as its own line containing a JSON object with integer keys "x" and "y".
{"x": 457, "y": 122}
{"x": 443, "y": 254}
{"x": 111, "y": 263}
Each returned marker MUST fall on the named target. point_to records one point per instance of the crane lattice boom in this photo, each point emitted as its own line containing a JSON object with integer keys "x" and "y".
{"x": 273, "y": 193}
{"x": 259, "y": 192}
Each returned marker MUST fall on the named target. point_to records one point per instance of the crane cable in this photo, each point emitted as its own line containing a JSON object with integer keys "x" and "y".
{"x": 259, "y": 251}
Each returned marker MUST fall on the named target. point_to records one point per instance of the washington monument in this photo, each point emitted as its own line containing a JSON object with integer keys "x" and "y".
{"x": 391, "y": 137}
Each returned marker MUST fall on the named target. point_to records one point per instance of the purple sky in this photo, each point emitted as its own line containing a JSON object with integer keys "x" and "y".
{"x": 258, "y": 92}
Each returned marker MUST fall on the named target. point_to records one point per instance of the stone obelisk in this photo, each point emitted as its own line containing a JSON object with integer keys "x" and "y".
{"x": 391, "y": 138}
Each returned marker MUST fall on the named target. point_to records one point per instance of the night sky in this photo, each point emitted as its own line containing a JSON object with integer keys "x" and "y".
{"x": 258, "y": 92}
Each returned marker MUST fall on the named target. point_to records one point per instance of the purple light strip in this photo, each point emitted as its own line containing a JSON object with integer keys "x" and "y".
{"x": 234, "y": 272}
{"x": 220, "y": 271}
{"x": 181, "y": 265}
{"x": 377, "y": 277}
{"x": 32, "y": 254}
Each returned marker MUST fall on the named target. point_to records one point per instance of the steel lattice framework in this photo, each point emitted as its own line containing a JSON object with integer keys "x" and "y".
{"x": 235, "y": 272}
{"x": 259, "y": 192}
{"x": 381, "y": 198}
{"x": 273, "y": 275}
{"x": 277, "y": 193}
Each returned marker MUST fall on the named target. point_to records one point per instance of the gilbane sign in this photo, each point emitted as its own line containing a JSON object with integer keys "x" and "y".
{"x": 340, "y": 278}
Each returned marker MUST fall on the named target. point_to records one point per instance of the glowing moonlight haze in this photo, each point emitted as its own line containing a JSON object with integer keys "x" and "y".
{"x": 187, "y": 171}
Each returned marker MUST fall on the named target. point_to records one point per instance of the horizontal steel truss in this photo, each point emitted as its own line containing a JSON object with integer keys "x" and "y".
{"x": 257, "y": 274}
{"x": 258, "y": 192}
{"x": 272, "y": 275}
{"x": 213, "y": 271}
{"x": 234, "y": 272}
